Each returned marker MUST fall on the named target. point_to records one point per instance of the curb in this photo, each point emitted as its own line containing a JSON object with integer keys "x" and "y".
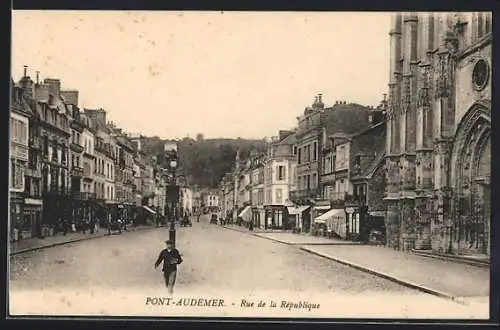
{"x": 392, "y": 278}
{"x": 35, "y": 248}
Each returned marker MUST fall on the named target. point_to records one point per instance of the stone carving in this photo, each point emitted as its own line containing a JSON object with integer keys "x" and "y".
{"x": 442, "y": 81}
{"x": 451, "y": 42}
{"x": 423, "y": 98}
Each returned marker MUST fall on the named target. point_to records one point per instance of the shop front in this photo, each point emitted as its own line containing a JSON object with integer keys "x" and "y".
{"x": 297, "y": 217}
{"x": 332, "y": 223}
{"x": 32, "y": 217}
{"x": 320, "y": 208}
{"x": 276, "y": 217}
{"x": 258, "y": 217}
{"x": 16, "y": 213}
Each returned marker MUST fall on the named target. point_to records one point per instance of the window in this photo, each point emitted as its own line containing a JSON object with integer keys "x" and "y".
{"x": 17, "y": 175}
{"x": 19, "y": 131}
{"x": 295, "y": 150}
{"x": 299, "y": 158}
{"x": 46, "y": 145}
{"x": 315, "y": 151}
{"x": 357, "y": 160}
{"x": 314, "y": 180}
{"x": 281, "y": 173}
{"x": 308, "y": 182}
{"x": 279, "y": 196}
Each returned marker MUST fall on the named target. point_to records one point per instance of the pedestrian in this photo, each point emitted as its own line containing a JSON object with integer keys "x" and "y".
{"x": 170, "y": 258}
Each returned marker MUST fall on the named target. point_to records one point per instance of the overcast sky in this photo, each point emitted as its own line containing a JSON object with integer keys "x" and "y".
{"x": 230, "y": 74}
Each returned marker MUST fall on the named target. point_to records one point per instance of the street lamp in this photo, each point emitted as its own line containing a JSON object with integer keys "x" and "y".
{"x": 172, "y": 189}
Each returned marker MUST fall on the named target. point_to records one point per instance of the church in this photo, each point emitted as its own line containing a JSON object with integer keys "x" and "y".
{"x": 438, "y": 147}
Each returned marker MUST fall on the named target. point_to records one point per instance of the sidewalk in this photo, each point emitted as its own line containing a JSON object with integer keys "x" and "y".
{"x": 303, "y": 239}
{"x": 32, "y": 244}
{"x": 244, "y": 229}
{"x": 439, "y": 277}
{"x": 290, "y": 238}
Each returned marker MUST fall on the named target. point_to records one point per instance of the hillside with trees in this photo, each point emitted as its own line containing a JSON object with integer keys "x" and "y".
{"x": 202, "y": 161}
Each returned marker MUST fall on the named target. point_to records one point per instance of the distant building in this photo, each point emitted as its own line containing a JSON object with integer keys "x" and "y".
{"x": 211, "y": 199}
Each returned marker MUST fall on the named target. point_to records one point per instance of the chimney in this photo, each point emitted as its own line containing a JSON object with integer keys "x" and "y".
{"x": 54, "y": 86}
{"x": 320, "y": 98}
{"x": 70, "y": 97}
{"x": 26, "y": 83}
{"x": 37, "y": 77}
{"x": 336, "y": 102}
{"x": 385, "y": 97}
{"x": 42, "y": 92}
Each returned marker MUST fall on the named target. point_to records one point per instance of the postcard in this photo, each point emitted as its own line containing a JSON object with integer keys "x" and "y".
{"x": 250, "y": 164}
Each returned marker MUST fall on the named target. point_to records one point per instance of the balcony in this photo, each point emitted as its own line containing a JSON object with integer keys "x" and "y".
{"x": 75, "y": 147}
{"x": 342, "y": 199}
{"x": 35, "y": 143}
{"x": 83, "y": 195}
{"x": 33, "y": 172}
{"x": 311, "y": 193}
{"x": 76, "y": 171}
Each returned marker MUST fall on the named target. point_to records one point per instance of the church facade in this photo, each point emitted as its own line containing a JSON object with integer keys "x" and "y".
{"x": 438, "y": 147}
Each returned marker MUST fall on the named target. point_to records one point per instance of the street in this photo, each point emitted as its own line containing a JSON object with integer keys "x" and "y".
{"x": 217, "y": 261}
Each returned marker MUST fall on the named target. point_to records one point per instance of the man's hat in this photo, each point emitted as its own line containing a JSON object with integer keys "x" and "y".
{"x": 169, "y": 241}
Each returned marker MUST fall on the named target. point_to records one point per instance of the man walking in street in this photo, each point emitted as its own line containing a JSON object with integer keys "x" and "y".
{"x": 170, "y": 258}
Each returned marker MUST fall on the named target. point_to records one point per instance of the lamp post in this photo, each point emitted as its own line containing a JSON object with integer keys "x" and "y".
{"x": 172, "y": 189}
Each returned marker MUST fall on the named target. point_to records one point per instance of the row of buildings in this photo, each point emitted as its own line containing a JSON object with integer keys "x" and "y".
{"x": 71, "y": 164}
{"x": 415, "y": 168}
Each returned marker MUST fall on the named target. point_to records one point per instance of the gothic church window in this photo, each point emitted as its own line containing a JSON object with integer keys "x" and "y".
{"x": 480, "y": 74}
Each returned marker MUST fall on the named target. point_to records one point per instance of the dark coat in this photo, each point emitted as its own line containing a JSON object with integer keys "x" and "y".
{"x": 170, "y": 259}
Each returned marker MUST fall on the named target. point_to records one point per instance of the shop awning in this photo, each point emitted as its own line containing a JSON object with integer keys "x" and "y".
{"x": 148, "y": 209}
{"x": 322, "y": 207}
{"x": 297, "y": 209}
{"x": 330, "y": 214}
{"x": 244, "y": 211}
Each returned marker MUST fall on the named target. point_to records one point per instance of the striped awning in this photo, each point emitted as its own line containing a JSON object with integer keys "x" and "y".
{"x": 330, "y": 214}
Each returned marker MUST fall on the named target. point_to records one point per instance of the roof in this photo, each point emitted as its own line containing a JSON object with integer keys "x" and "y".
{"x": 346, "y": 118}
{"x": 290, "y": 139}
{"x": 370, "y": 170}
{"x": 367, "y": 130}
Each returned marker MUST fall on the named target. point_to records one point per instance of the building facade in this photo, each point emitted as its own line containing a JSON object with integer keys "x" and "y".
{"x": 20, "y": 115}
{"x": 33, "y": 202}
{"x": 358, "y": 172}
{"x": 56, "y": 132}
{"x": 257, "y": 171}
{"x": 280, "y": 164}
{"x": 314, "y": 127}
{"x": 76, "y": 149}
{"x": 90, "y": 186}
{"x": 438, "y": 150}
{"x": 124, "y": 179}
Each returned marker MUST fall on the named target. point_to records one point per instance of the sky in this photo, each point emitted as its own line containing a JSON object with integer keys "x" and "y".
{"x": 222, "y": 74}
